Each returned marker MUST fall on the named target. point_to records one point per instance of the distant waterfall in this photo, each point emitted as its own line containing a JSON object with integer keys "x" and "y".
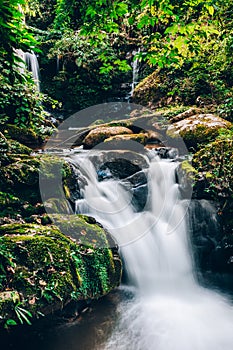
{"x": 169, "y": 311}
{"x": 33, "y": 67}
{"x": 135, "y": 73}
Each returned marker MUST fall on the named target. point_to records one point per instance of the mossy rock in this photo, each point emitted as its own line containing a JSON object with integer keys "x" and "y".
{"x": 152, "y": 89}
{"x": 84, "y": 229}
{"x": 197, "y": 129}
{"x": 140, "y": 138}
{"x": 47, "y": 269}
{"x": 10, "y": 205}
{"x": 10, "y": 149}
{"x": 214, "y": 164}
{"x": 186, "y": 174}
{"x": 133, "y": 142}
{"x": 99, "y": 134}
{"x": 24, "y": 135}
{"x": 21, "y": 178}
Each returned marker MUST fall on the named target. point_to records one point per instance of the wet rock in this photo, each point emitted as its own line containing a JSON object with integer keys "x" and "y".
{"x": 167, "y": 152}
{"x": 121, "y": 164}
{"x": 186, "y": 114}
{"x": 117, "y": 139}
{"x": 43, "y": 269}
{"x": 137, "y": 184}
{"x": 99, "y": 134}
{"x": 222, "y": 256}
{"x": 186, "y": 175}
{"x": 207, "y": 233}
{"x": 197, "y": 129}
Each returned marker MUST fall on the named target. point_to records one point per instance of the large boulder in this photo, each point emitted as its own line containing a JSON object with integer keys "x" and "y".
{"x": 42, "y": 269}
{"x": 197, "y": 129}
{"x": 119, "y": 164}
{"x": 20, "y": 186}
{"x": 153, "y": 90}
{"x": 99, "y": 134}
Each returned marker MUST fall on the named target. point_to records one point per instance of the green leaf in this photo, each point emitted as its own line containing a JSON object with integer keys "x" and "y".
{"x": 210, "y": 9}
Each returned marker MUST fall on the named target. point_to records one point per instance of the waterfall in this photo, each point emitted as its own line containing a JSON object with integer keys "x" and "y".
{"x": 33, "y": 67}
{"x": 135, "y": 73}
{"x": 169, "y": 310}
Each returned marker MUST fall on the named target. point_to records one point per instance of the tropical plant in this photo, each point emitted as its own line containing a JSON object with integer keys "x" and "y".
{"x": 20, "y": 102}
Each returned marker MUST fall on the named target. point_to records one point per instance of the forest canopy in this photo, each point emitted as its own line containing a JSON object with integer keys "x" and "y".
{"x": 86, "y": 48}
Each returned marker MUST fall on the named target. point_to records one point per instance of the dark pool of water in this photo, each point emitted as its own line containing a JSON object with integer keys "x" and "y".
{"x": 89, "y": 332}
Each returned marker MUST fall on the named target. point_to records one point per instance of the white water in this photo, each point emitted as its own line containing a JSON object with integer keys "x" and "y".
{"x": 170, "y": 311}
{"x": 135, "y": 67}
{"x": 33, "y": 67}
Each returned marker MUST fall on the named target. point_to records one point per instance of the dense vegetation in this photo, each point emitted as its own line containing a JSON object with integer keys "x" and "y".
{"x": 86, "y": 50}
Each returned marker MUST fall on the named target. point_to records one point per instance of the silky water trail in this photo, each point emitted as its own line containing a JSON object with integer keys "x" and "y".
{"x": 169, "y": 310}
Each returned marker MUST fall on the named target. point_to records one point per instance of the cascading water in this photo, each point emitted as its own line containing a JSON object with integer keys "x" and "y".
{"x": 169, "y": 310}
{"x": 33, "y": 66}
{"x": 135, "y": 73}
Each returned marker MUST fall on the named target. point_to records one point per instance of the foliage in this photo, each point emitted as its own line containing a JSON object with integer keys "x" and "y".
{"x": 214, "y": 164}
{"x": 20, "y": 102}
{"x": 87, "y": 48}
{"x": 22, "y": 314}
{"x": 92, "y": 43}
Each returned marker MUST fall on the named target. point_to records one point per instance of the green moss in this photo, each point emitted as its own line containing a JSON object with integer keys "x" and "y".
{"x": 98, "y": 135}
{"x": 25, "y": 136}
{"x": 83, "y": 229}
{"x": 140, "y": 138}
{"x": 188, "y": 168}
{"x": 9, "y": 149}
{"x": 17, "y": 148}
{"x": 150, "y": 89}
{"x": 21, "y": 178}
{"x": 197, "y": 129}
{"x": 46, "y": 267}
{"x": 214, "y": 162}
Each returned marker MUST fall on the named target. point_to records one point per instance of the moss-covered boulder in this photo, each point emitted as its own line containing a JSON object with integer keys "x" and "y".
{"x": 10, "y": 150}
{"x": 144, "y": 138}
{"x": 32, "y": 186}
{"x": 98, "y": 135}
{"x": 154, "y": 90}
{"x": 197, "y": 129}
{"x": 140, "y": 138}
{"x": 125, "y": 142}
{"x": 185, "y": 114}
{"x": 42, "y": 269}
{"x": 23, "y": 135}
{"x": 214, "y": 164}
{"x": 21, "y": 178}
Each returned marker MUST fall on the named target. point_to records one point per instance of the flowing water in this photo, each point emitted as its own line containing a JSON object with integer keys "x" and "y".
{"x": 162, "y": 307}
{"x": 169, "y": 310}
{"x": 135, "y": 74}
{"x": 33, "y": 67}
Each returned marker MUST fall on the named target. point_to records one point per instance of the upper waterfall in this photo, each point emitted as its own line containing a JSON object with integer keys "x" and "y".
{"x": 33, "y": 67}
